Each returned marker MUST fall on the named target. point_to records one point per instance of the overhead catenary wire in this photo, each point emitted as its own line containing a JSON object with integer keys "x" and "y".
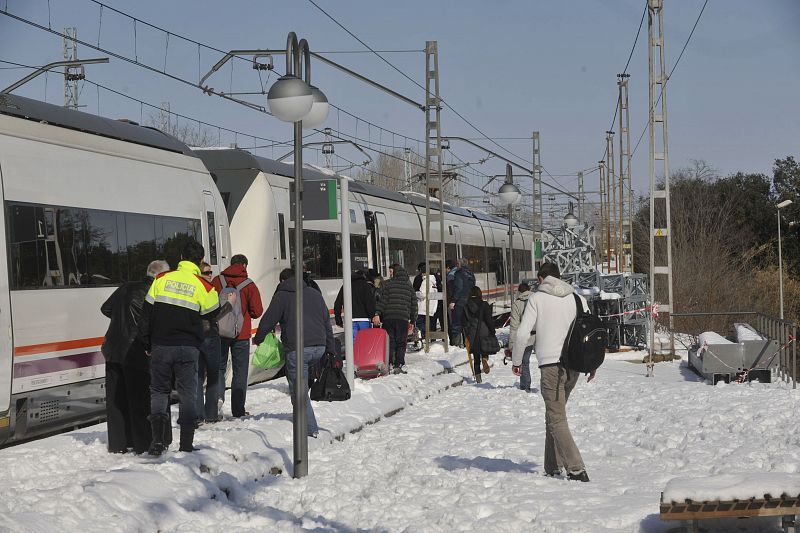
{"x": 415, "y": 82}
{"x": 669, "y": 76}
{"x": 200, "y": 45}
{"x": 625, "y": 71}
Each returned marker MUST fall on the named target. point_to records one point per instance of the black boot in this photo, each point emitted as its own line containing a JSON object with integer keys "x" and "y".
{"x": 187, "y": 437}
{"x": 157, "y": 446}
{"x": 167, "y": 433}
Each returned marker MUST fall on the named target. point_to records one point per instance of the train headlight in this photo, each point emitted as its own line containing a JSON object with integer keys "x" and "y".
{"x": 290, "y": 99}
{"x": 319, "y": 110}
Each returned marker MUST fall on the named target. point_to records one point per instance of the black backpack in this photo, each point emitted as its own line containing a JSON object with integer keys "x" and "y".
{"x": 331, "y": 386}
{"x": 585, "y": 346}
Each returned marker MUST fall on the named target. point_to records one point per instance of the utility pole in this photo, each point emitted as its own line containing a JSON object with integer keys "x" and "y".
{"x": 603, "y": 209}
{"x": 581, "y": 198}
{"x": 434, "y": 190}
{"x": 71, "y": 76}
{"x": 625, "y": 183}
{"x": 660, "y": 227}
{"x": 537, "y": 196}
{"x": 407, "y": 167}
{"x": 611, "y": 202}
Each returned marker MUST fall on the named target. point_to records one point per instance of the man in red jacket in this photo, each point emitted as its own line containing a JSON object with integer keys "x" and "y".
{"x": 239, "y": 347}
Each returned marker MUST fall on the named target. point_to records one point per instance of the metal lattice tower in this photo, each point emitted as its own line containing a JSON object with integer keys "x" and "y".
{"x": 537, "y": 195}
{"x": 660, "y": 228}
{"x": 625, "y": 241}
{"x": 434, "y": 190}
{"x": 71, "y": 74}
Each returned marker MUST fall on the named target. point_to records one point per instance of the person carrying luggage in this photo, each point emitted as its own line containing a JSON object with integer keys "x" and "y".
{"x": 479, "y": 333}
{"x": 395, "y": 311}
{"x": 235, "y": 331}
{"x": 317, "y": 333}
{"x": 363, "y": 293}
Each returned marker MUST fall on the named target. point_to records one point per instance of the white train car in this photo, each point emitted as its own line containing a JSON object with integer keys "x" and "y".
{"x": 386, "y": 227}
{"x": 87, "y": 203}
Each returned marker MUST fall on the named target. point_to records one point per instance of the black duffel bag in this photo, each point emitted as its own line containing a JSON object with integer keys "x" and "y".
{"x": 331, "y": 386}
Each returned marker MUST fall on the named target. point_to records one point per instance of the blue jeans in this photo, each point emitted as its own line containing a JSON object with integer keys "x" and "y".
{"x": 180, "y": 362}
{"x": 240, "y": 364}
{"x": 208, "y": 365}
{"x": 311, "y": 358}
{"x": 525, "y": 378}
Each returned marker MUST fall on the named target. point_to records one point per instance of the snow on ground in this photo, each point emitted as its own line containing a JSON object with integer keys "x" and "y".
{"x": 454, "y": 459}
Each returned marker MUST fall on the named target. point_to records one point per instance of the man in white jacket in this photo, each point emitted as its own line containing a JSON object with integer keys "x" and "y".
{"x": 550, "y": 311}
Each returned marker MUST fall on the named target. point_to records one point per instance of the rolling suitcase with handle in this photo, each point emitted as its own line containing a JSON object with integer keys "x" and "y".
{"x": 371, "y": 353}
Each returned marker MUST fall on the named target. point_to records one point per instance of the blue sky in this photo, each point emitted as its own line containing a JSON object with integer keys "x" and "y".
{"x": 510, "y": 67}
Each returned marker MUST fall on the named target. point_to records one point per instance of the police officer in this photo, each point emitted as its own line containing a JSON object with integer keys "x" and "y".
{"x": 175, "y": 304}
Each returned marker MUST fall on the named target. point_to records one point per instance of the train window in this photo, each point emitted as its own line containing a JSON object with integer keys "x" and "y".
{"x": 406, "y": 252}
{"x": 24, "y": 248}
{"x": 496, "y": 264}
{"x": 175, "y": 233}
{"x": 328, "y": 248}
{"x": 353, "y": 216}
{"x": 71, "y": 250}
{"x": 140, "y": 243}
{"x": 282, "y": 236}
{"x": 73, "y": 247}
{"x": 450, "y": 252}
{"x": 358, "y": 252}
{"x": 212, "y": 237}
{"x": 102, "y": 248}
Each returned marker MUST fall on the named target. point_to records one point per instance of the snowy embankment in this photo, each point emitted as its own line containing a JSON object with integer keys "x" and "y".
{"x": 467, "y": 459}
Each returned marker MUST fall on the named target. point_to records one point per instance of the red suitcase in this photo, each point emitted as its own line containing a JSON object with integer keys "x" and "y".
{"x": 371, "y": 353}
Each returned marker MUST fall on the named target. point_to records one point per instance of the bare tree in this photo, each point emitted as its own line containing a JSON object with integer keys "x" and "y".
{"x": 189, "y": 133}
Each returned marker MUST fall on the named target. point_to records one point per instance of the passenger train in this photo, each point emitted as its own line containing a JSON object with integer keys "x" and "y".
{"x": 88, "y": 202}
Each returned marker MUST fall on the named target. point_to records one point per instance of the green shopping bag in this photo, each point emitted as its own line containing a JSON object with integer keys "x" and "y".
{"x": 269, "y": 353}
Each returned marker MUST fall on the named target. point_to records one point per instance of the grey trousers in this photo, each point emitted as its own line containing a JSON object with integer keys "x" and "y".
{"x": 559, "y": 449}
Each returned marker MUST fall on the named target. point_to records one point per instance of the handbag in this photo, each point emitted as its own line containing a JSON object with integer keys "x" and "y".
{"x": 489, "y": 344}
{"x": 332, "y": 384}
{"x": 269, "y": 353}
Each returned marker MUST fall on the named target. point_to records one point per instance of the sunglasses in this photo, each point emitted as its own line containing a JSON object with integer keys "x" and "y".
{"x": 206, "y": 272}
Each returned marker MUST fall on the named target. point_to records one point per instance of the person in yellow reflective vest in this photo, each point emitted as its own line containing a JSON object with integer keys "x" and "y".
{"x": 176, "y": 304}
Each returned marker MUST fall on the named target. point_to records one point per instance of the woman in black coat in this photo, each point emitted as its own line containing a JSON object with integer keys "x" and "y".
{"x": 479, "y": 332}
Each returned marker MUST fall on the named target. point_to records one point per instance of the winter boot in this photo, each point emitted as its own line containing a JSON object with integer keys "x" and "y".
{"x": 167, "y": 440}
{"x": 157, "y": 446}
{"x": 578, "y": 476}
{"x": 486, "y": 367}
{"x": 187, "y": 436}
{"x": 478, "y": 378}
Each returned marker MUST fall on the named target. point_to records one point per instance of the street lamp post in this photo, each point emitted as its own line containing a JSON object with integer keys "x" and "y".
{"x": 509, "y": 194}
{"x": 780, "y": 206}
{"x": 292, "y": 99}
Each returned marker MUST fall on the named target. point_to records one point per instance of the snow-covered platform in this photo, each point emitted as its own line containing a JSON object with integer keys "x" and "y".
{"x": 743, "y": 495}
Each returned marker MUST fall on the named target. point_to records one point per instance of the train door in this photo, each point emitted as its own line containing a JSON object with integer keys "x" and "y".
{"x": 382, "y": 230}
{"x": 378, "y": 250}
{"x": 212, "y": 233}
{"x": 457, "y": 235}
{"x": 6, "y": 340}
